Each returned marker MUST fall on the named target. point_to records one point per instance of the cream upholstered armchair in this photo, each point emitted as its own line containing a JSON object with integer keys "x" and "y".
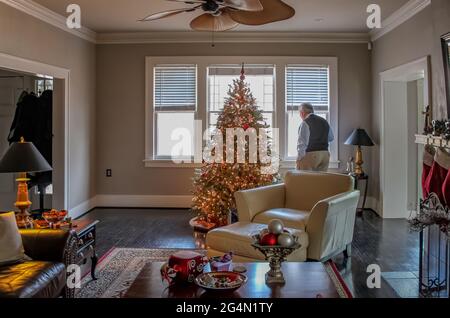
{"x": 321, "y": 204}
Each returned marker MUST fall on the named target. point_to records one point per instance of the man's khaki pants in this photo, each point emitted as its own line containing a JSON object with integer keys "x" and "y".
{"x": 315, "y": 161}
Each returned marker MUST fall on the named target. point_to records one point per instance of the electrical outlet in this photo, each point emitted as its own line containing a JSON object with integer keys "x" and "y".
{"x": 109, "y": 173}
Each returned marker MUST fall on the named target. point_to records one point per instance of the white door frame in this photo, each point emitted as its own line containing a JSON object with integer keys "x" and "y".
{"x": 61, "y": 165}
{"x": 410, "y": 71}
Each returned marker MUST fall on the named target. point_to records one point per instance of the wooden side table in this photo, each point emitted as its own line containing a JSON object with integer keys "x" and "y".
{"x": 365, "y": 178}
{"x": 358, "y": 179}
{"x": 86, "y": 232}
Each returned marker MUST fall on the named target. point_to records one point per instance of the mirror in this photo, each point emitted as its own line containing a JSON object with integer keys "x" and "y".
{"x": 446, "y": 54}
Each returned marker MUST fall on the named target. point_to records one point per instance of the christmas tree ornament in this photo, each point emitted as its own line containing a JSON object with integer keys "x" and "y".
{"x": 269, "y": 240}
{"x": 285, "y": 240}
{"x": 276, "y": 227}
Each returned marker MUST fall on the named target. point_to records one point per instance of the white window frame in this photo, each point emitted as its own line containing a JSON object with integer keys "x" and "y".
{"x": 280, "y": 113}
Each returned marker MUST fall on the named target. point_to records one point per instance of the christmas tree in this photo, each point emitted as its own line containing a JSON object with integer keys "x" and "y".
{"x": 216, "y": 183}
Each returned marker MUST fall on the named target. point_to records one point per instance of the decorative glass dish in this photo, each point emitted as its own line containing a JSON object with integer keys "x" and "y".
{"x": 221, "y": 281}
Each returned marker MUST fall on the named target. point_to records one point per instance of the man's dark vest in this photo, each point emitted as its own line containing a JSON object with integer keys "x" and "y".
{"x": 319, "y": 133}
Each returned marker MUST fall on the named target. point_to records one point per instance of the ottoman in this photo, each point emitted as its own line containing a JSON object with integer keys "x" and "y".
{"x": 237, "y": 238}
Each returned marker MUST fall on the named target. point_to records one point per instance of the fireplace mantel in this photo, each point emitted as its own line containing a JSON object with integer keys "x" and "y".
{"x": 433, "y": 141}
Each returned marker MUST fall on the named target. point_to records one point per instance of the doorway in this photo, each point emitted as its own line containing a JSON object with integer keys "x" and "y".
{"x": 26, "y": 110}
{"x": 405, "y": 94}
{"x": 36, "y": 77}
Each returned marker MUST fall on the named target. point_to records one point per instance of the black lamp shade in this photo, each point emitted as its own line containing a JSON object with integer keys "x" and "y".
{"x": 23, "y": 157}
{"x": 359, "y": 137}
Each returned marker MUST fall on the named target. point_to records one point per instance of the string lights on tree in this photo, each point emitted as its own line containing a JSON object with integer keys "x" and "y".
{"x": 216, "y": 183}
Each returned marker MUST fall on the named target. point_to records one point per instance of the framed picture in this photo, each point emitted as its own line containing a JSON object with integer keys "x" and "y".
{"x": 446, "y": 53}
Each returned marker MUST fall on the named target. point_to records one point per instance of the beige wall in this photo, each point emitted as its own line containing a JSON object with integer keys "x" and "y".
{"x": 414, "y": 39}
{"x": 121, "y": 107}
{"x": 24, "y": 36}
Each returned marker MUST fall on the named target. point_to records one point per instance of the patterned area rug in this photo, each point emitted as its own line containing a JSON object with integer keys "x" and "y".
{"x": 118, "y": 269}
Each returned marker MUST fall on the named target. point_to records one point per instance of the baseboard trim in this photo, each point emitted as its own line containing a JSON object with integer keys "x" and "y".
{"x": 83, "y": 208}
{"x": 154, "y": 202}
{"x": 372, "y": 204}
{"x": 132, "y": 201}
{"x": 144, "y": 201}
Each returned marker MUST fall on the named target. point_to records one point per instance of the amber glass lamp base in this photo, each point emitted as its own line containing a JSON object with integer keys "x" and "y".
{"x": 23, "y": 203}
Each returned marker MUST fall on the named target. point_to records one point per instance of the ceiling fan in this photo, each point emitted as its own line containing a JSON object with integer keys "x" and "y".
{"x": 223, "y": 15}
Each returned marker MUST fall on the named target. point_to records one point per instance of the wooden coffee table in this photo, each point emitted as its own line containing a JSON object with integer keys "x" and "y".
{"x": 303, "y": 280}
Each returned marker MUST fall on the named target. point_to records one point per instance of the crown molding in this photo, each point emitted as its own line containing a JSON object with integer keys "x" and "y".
{"x": 44, "y": 14}
{"x": 230, "y": 37}
{"x": 399, "y": 17}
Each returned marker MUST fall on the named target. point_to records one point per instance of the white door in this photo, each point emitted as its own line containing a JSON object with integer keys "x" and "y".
{"x": 10, "y": 90}
{"x": 395, "y": 194}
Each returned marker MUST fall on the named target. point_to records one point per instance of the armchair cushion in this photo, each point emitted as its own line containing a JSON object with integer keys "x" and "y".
{"x": 11, "y": 247}
{"x": 291, "y": 218}
{"x": 32, "y": 279}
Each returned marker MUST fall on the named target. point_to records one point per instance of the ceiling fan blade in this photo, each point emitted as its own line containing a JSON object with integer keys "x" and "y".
{"x": 166, "y": 14}
{"x": 244, "y": 5}
{"x": 274, "y": 10}
{"x": 208, "y": 22}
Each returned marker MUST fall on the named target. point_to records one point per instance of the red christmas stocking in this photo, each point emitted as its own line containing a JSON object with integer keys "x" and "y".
{"x": 428, "y": 160}
{"x": 438, "y": 174}
{"x": 446, "y": 190}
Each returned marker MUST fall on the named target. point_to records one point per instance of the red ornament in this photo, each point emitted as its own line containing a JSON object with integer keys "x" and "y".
{"x": 246, "y": 126}
{"x": 269, "y": 240}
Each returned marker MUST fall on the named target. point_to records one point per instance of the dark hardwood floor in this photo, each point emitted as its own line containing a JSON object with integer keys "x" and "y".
{"x": 387, "y": 243}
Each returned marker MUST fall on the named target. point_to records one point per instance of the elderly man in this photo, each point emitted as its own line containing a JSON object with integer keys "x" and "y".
{"x": 314, "y": 139}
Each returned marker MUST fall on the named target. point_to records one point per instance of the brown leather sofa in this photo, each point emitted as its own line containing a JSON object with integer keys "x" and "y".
{"x": 44, "y": 276}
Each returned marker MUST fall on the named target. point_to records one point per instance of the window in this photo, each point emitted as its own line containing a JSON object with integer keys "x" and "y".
{"x": 175, "y": 105}
{"x": 305, "y": 84}
{"x": 43, "y": 85}
{"x": 184, "y": 91}
{"x": 260, "y": 79}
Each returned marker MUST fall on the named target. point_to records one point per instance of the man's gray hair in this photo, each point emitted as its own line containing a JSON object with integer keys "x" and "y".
{"x": 307, "y": 108}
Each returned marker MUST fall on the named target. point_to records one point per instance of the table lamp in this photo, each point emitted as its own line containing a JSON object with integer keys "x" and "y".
{"x": 359, "y": 138}
{"x": 23, "y": 157}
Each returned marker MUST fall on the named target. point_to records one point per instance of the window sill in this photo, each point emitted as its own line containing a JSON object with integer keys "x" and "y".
{"x": 292, "y": 164}
{"x": 149, "y": 163}
{"x": 170, "y": 164}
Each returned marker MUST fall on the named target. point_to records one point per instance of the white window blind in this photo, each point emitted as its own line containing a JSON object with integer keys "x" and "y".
{"x": 175, "y": 88}
{"x": 307, "y": 84}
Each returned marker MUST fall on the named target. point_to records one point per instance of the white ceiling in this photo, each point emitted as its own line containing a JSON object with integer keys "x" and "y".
{"x": 107, "y": 16}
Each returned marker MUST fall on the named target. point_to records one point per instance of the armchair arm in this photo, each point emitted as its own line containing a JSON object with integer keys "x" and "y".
{"x": 49, "y": 245}
{"x": 331, "y": 225}
{"x": 252, "y": 202}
